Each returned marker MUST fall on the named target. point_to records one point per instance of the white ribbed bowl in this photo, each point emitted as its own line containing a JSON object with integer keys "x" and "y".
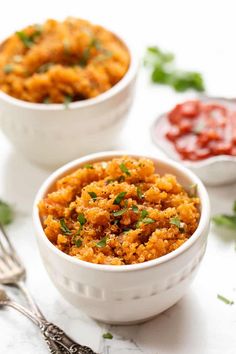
{"x": 128, "y": 293}
{"x": 51, "y": 134}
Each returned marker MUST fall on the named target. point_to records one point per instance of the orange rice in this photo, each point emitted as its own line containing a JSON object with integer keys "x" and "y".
{"x": 61, "y": 61}
{"x": 118, "y": 212}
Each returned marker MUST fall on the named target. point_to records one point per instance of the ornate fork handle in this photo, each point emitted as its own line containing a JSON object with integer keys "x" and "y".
{"x": 56, "y": 334}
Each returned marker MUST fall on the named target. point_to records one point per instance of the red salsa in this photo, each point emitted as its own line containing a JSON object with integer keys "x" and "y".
{"x": 200, "y": 130}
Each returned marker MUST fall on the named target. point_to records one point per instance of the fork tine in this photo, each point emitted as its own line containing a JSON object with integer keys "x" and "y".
{"x": 13, "y": 253}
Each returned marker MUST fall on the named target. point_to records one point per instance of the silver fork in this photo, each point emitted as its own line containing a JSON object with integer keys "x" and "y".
{"x": 12, "y": 272}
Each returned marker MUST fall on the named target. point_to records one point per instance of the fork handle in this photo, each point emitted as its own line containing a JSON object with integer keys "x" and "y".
{"x": 56, "y": 334}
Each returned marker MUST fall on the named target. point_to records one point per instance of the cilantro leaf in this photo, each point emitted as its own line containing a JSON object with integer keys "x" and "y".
{"x": 93, "y": 195}
{"x": 225, "y": 300}
{"x": 107, "y": 335}
{"x": 81, "y": 218}
{"x": 64, "y": 228}
{"x": 102, "y": 243}
{"x": 119, "y": 198}
{"x": 124, "y": 169}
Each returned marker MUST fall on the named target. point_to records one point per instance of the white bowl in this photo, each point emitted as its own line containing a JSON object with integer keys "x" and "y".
{"x": 51, "y": 134}
{"x": 127, "y": 293}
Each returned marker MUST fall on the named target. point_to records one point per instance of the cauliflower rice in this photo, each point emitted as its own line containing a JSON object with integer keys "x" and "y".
{"x": 60, "y": 62}
{"x": 119, "y": 212}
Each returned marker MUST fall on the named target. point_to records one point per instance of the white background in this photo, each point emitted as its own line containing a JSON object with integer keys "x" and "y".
{"x": 202, "y": 35}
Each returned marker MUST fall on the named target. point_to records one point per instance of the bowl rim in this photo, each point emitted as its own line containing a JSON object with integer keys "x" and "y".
{"x": 203, "y": 223}
{"x": 190, "y": 164}
{"x": 119, "y": 86}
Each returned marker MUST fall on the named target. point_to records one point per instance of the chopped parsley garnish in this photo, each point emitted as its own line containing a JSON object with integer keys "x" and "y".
{"x": 124, "y": 169}
{"x": 135, "y": 209}
{"x": 148, "y": 220}
{"x": 67, "y": 100}
{"x": 120, "y": 212}
{"x": 64, "y": 228}
{"x": 44, "y": 67}
{"x": 78, "y": 242}
{"x": 93, "y": 195}
{"x": 81, "y": 218}
{"x": 226, "y": 220}
{"x": 28, "y": 40}
{"x": 108, "y": 181}
{"x": 225, "y": 300}
{"x": 144, "y": 218}
{"x": 164, "y": 72}
{"x": 193, "y": 190}
{"x": 119, "y": 198}
{"x": 88, "y": 166}
{"x": 6, "y": 213}
{"x": 8, "y": 68}
{"x": 144, "y": 213}
{"x": 121, "y": 179}
{"x": 102, "y": 243}
{"x": 139, "y": 193}
{"x": 176, "y": 221}
{"x": 107, "y": 335}
{"x": 94, "y": 43}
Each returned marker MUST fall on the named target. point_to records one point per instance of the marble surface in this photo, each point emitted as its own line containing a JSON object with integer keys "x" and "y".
{"x": 199, "y": 323}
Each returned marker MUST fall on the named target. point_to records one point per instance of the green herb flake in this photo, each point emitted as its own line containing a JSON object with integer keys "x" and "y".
{"x": 88, "y": 166}
{"x": 225, "y": 300}
{"x": 28, "y": 40}
{"x": 64, "y": 228}
{"x": 176, "y": 221}
{"x": 78, "y": 242}
{"x": 93, "y": 195}
{"x": 102, "y": 243}
{"x": 124, "y": 169}
{"x": 119, "y": 198}
{"x": 81, "y": 218}
{"x": 139, "y": 193}
{"x": 163, "y": 71}
{"x": 193, "y": 190}
{"x": 135, "y": 209}
{"x": 107, "y": 335}
{"x": 8, "y": 68}
{"x": 44, "y": 67}
{"x": 67, "y": 101}
{"x": 148, "y": 221}
{"x": 120, "y": 179}
{"x": 120, "y": 212}
{"x": 228, "y": 221}
{"x": 6, "y": 213}
{"x": 144, "y": 213}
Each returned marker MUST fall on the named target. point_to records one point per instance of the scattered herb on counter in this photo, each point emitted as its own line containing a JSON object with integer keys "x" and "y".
{"x": 176, "y": 221}
{"x": 124, "y": 169}
{"x": 6, "y": 213}
{"x": 64, "y": 227}
{"x": 226, "y": 220}
{"x": 8, "y": 68}
{"x": 67, "y": 101}
{"x": 88, "y": 166}
{"x": 163, "y": 71}
{"x": 102, "y": 243}
{"x": 225, "y": 300}
{"x": 107, "y": 335}
{"x": 93, "y": 195}
{"x": 119, "y": 198}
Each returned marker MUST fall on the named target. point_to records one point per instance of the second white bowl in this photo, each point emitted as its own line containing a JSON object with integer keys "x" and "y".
{"x": 127, "y": 293}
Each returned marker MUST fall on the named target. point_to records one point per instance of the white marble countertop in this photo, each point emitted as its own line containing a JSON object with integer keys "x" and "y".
{"x": 199, "y": 323}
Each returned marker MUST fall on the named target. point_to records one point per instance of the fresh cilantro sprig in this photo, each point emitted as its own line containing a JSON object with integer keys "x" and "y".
{"x": 163, "y": 71}
{"x": 226, "y": 220}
